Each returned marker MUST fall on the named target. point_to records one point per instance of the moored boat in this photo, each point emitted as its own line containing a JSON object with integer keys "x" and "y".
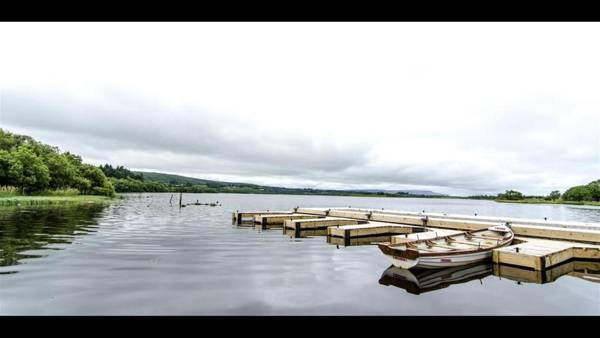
{"x": 446, "y": 251}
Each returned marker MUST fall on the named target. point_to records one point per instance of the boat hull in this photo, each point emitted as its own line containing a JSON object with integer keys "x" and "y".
{"x": 447, "y": 251}
{"x": 439, "y": 262}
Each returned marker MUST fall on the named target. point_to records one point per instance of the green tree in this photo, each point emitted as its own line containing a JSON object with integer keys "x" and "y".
{"x": 62, "y": 171}
{"x": 28, "y": 170}
{"x": 594, "y": 190}
{"x": 577, "y": 193}
{"x": 7, "y": 141}
{"x": 511, "y": 195}
{"x": 554, "y": 195}
{"x": 5, "y": 178}
{"x": 82, "y": 184}
{"x": 99, "y": 183}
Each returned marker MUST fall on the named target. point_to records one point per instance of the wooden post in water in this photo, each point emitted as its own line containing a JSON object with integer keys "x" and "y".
{"x": 180, "y": 197}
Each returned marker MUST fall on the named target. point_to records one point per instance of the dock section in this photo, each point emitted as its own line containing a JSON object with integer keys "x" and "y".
{"x": 348, "y": 212}
{"x": 370, "y": 229}
{"x": 355, "y": 241}
{"x": 298, "y": 225}
{"x": 277, "y": 220}
{"x": 570, "y": 231}
{"x": 239, "y": 217}
{"x": 539, "y": 244}
{"x": 538, "y": 254}
{"x": 320, "y": 223}
{"x": 586, "y": 270}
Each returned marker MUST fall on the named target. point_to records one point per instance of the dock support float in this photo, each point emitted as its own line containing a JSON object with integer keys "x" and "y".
{"x": 539, "y": 254}
{"x": 318, "y": 223}
{"x": 370, "y": 229}
{"x": 238, "y": 217}
{"x": 277, "y": 220}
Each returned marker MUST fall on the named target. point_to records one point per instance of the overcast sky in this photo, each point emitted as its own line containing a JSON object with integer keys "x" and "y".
{"x": 460, "y": 108}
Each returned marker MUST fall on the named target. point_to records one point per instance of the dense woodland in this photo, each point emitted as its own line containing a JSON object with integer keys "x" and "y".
{"x": 31, "y": 167}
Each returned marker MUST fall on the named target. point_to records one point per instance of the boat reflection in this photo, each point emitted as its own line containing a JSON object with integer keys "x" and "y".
{"x": 417, "y": 281}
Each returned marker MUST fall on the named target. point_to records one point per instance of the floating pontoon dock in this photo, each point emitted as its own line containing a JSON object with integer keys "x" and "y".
{"x": 238, "y": 217}
{"x": 538, "y": 245}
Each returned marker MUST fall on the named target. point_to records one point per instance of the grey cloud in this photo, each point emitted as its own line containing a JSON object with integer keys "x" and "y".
{"x": 130, "y": 124}
{"x": 143, "y": 133}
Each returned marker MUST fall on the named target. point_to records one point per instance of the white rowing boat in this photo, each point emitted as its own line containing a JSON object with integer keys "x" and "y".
{"x": 447, "y": 251}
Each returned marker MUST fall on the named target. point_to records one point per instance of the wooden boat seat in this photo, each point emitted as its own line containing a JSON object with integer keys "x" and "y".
{"x": 485, "y": 237}
{"x": 468, "y": 243}
{"x": 428, "y": 250}
{"x": 448, "y": 247}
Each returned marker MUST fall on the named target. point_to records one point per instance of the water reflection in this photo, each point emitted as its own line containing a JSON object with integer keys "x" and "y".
{"x": 34, "y": 232}
{"x": 586, "y": 270}
{"x": 417, "y": 281}
{"x": 148, "y": 258}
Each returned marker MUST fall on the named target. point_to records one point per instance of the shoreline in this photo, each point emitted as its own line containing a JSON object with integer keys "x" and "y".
{"x": 536, "y": 201}
{"x": 49, "y": 200}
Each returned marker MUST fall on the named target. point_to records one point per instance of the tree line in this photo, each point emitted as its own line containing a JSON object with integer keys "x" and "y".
{"x": 582, "y": 193}
{"x": 34, "y": 167}
{"x": 588, "y": 192}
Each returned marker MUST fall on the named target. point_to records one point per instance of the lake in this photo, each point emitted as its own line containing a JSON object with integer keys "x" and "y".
{"x": 141, "y": 256}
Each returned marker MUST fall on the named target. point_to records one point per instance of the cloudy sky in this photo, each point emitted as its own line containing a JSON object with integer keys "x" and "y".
{"x": 460, "y": 108}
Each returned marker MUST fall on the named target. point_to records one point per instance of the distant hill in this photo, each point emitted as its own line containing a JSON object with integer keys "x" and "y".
{"x": 184, "y": 180}
{"x": 411, "y": 192}
{"x": 175, "y": 179}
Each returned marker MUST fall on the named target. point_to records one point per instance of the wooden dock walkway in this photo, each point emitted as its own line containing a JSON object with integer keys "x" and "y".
{"x": 575, "y": 231}
{"x": 379, "y": 215}
{"x": 277, "y": 220}
{"x": 538, "y": 245}
{"x": 319, "y": 223}
{"x": 238, "y": 217}
{"x": 539, "y": 254}
{"x": 586, "y": 270}
{"x": 370, "y": 229}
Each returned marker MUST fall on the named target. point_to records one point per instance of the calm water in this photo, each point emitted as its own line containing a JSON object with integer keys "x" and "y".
{"x": 141, "y": 256}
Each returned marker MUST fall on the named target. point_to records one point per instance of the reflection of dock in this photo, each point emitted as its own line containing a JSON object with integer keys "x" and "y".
{"x": 417, "y": 281}
{"x": 586, "y": 270}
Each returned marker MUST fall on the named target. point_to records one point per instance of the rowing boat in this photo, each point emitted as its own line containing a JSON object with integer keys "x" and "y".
{"x": 446, "y": 251}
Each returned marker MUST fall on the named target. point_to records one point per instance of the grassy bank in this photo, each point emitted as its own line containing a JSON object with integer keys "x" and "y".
{"x": 543, "y": 201}
{"x": 45, "y": 200}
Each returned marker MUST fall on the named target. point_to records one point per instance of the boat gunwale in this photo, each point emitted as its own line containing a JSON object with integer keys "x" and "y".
{"x": 412, "y": 253}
